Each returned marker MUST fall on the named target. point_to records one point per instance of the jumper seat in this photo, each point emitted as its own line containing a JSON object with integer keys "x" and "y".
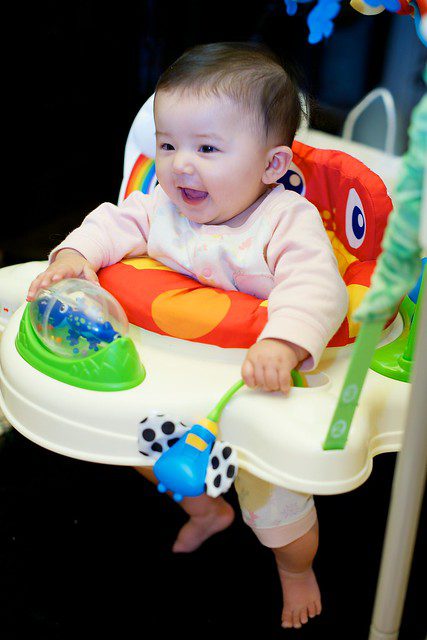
{"x": 276, "y": 438}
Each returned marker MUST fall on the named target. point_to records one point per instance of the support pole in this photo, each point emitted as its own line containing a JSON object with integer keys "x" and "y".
{"x": 406, "y": 499}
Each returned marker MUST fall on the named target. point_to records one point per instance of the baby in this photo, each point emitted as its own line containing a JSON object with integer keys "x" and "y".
{"x": 226, "y": 115}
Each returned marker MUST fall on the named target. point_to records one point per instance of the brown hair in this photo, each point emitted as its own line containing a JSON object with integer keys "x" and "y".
{"x": 248, "y": 73}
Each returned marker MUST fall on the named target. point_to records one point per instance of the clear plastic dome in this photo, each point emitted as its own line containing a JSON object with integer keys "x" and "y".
{"x": 75, "y": 318}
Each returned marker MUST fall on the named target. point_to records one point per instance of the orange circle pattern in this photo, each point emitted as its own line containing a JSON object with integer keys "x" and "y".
{"x": 173, "y": 311}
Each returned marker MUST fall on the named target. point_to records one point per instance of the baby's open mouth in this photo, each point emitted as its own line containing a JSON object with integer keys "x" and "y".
{"x": 193, "y": 196}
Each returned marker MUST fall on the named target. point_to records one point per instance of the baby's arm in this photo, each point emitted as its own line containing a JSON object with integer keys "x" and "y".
{"x": 105, "y": 236}
{"x": 307, "y": 304}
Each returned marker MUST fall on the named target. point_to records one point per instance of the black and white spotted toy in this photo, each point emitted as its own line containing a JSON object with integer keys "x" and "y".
{"x": 158, "y": 432}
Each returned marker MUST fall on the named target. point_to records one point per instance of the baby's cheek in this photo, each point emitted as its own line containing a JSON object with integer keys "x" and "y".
{"x": 168, "y": 187}
{"x": 159, "y": 174}
{"x": 163, "y": 173}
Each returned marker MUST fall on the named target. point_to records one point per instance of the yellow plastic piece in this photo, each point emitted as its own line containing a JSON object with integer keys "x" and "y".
{"x": 366, "y": 9}
{"x": 210, "y": 425}
{"x": 196, "y": 442}
{"x": 356, "y": 294}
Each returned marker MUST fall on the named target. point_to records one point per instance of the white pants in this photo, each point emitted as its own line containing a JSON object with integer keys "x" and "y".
{"x": 276, "y": 515}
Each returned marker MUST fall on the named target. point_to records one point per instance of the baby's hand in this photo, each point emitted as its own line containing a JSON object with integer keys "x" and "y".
{"x": 68, "y": 264}
{"x": 269, "y": 362}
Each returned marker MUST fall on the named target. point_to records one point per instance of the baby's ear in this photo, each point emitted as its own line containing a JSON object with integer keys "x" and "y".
{"x": 279, "y": 159}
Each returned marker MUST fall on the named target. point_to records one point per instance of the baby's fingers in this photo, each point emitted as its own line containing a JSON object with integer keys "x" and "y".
{"x": 46, "y": 278}
{"x": 248, "y": 374}
{"x": 260, "y": 377}
{"x": 35, "y": 286}
{"x": 89, "y": 274}
{"x": 270, "y": 378}
{"x": 59, "y": 273}
{"x": 284, "y": 381}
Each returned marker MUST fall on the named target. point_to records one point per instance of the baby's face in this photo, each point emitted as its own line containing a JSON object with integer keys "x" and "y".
{"x": 209, "y": 160}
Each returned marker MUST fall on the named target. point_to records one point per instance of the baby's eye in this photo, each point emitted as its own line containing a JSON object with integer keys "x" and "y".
{"x": 207, "y": 148}
{"x": 166, "y": 146}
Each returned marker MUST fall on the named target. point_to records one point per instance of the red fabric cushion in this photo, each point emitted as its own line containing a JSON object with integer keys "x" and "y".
{"x": 169, "y": 303}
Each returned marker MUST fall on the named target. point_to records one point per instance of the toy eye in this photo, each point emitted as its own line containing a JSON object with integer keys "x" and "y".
{"x": 63, "y": 308}
{"x": 294, "y": 180}
{"x": 355, "y": 220}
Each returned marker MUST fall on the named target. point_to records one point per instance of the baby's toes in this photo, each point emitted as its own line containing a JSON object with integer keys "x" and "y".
{"x": 312, "y": 609}
{"x": 296, "y": 622}
{"x": 287, "y": 621}
{"x": 303, "y": 616}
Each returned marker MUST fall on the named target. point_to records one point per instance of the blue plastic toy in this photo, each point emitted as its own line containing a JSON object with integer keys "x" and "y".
{"x": 190, "y": 461}
{"x": 414, "y": 293}
{"x": 193, "y": 461}
{"x": 182, "y": 469}
{"x": 80, "y": 325}
{"x": 56, "y": 314}
{"x": 321, "y": 17}
{"x": 390, "y": 5}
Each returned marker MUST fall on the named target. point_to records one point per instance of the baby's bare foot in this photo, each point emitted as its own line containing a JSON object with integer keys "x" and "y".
{"x": 301, "y": 597}
{"x": 199, "y": 528}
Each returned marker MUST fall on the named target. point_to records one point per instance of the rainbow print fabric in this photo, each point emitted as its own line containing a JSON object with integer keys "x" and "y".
{"x": 142, "y": 177}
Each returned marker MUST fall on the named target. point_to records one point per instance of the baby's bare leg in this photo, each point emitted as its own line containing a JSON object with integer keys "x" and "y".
{"x": 207, "y": 516}
{"x": 272, "y": 513}
{"x": 301, "y": 592}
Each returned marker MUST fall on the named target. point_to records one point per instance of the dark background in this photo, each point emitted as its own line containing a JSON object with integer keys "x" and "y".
{"x": 81, "y": 72}
{"x": 86, "y": 548}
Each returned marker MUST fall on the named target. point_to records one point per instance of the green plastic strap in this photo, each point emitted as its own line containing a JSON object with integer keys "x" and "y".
{"x": 216, "y": 412}
{"x": 410, "y": 347}
{"x": 298, "y": 379}
{"x": 389, "y": 360}
{"x": 363, "y": 352}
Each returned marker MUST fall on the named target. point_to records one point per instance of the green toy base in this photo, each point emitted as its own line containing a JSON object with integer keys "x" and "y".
{"x": 115, "y": 368}
{"x": 389, "y": 360}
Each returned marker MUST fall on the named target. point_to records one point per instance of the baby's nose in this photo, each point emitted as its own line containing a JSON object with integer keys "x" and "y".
{"x": 182, "y": 163}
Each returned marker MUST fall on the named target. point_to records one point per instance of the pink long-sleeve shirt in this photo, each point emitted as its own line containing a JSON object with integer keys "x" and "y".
{"x": 280, "y": 251}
